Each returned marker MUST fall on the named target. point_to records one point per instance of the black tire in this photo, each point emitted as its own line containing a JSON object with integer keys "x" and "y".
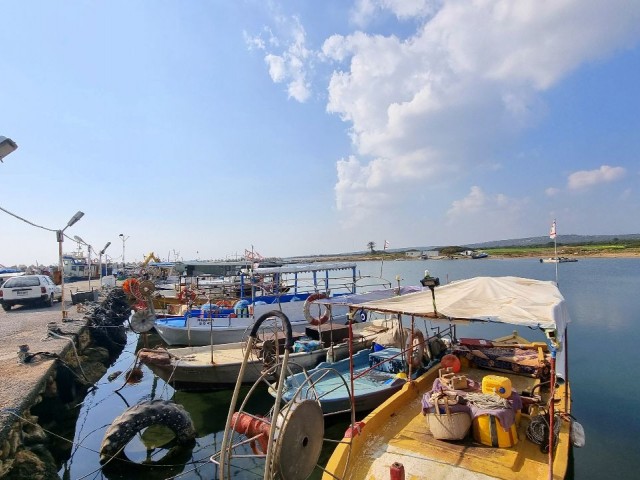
{"x": 6, "y": 307}
{"x": 48, "y": 302}
{"x": 141, "y": 416}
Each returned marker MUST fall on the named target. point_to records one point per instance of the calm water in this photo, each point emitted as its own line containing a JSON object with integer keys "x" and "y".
{"x": 604, "y": 351}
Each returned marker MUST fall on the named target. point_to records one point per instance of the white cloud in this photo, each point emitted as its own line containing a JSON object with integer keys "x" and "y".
{"x": 589, "y": 178}
{"x": 552, "y": 191}
{"x": 472, "y": 203}
{"x": 365, "y": 10}
{"x": 479, "y": 213}
{"x": 456, "y": 91}
{"x": 291, "y": 65}
{"x": 436, "y": 100}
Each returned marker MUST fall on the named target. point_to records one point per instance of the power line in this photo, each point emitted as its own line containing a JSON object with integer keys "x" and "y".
{"x": 33, "y": 224}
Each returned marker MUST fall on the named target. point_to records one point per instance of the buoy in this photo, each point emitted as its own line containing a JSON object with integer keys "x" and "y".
{"x": 452, "y": 361}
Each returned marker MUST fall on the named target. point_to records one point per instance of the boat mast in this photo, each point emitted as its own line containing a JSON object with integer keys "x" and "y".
{"x": 553, "y": 235}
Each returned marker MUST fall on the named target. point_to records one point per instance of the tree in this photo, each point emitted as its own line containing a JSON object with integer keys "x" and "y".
{"x": 371, "y": 246}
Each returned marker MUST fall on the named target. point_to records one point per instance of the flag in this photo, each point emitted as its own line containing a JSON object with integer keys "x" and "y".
{"x": 552, "y": 232}
{"x": 386, "y": 244}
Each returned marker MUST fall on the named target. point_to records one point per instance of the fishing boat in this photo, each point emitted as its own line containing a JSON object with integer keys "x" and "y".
{"x": 291, "y": 289}
{"x": 218, "y": 366}
{"x": 500, "y": 409}
{"x": 377, "y": 376}
{"x": 558, "y": 260}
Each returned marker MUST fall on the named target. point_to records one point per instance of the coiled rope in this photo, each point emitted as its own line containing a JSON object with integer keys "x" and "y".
{"x": 487, "y": 401}
{"x": 538, "y": 429}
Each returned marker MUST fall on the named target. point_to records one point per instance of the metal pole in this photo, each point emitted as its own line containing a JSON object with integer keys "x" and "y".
{"x": 59, "y": 238}
{"x": 89, "y": 263}
{"x": 552, "y": 393}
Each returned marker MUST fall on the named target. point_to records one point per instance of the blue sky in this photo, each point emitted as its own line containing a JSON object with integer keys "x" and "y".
{"x": 199, "y": 129}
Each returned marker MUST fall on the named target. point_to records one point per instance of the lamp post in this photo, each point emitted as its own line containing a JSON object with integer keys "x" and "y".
{"x": 104, "y": 249}
{"x": 6, "y": 147}
{"x": 60, "y": 239}
{"x": 89, "y": 247}
{"x": 124, "y": 239}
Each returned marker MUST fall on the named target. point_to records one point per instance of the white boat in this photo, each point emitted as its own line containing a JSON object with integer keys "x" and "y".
{"x": 218, "y": 366}
{"x": 558, "y": 260}
{"x": 291, "y": 289}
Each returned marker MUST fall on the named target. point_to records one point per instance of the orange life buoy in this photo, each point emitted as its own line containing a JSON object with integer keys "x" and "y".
{"x": 415, "y": 349}
{"x": 187, "y": 295}
{"x": 307, "y": 307}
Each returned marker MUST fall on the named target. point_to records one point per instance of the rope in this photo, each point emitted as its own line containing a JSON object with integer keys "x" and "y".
{"x": 75, "y": 351}
{"x": 487, "y": 401}
{"x": 538, "y": 429}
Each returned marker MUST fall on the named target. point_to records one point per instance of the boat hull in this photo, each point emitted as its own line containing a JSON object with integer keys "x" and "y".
{"x": 218, "y": 366}
{"x": 200, "y": 331}
{"x": 397, "y": 431}
{"x": 371, "y": 386}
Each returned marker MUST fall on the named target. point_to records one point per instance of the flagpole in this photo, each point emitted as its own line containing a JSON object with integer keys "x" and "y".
{"x": 384, "y": 248}
{"x": 555, "y": 246}
{"x": 555, "y": 249}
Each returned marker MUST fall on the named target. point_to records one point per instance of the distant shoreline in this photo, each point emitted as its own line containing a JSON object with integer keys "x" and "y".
{"x": 503, "y": 256}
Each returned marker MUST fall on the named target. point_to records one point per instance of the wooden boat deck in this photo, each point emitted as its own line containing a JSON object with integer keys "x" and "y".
{"x": 402, "y": 435}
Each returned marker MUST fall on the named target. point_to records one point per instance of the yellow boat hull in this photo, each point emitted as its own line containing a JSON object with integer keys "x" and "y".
{"x": 397, "y": 432}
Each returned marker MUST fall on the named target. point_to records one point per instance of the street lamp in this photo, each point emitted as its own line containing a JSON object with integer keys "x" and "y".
{"x": 124, "y": 239}
{"x": 104, "y": 249}
{"x": 60, "y": 239}
{"x": 89, "y": 247}
{"x": 6, "y": 146}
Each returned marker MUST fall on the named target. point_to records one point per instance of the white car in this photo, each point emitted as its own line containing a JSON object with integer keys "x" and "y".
{"x": 29, "y": 289}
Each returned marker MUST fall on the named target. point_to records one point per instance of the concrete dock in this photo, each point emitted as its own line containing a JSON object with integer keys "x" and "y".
{"x": 35, "y": 327}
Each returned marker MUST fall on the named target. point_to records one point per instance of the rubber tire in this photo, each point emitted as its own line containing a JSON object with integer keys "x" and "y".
{"x": 137, "y": 418}
{"x": 6, "y": 307}
{"x": 49, "y": 301}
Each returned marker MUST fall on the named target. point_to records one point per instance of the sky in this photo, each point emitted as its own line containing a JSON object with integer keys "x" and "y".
{"x": 202, "y": 129}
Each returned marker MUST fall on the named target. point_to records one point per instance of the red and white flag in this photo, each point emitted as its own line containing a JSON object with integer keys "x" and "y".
{"x": 386, "y": 245}
{"x": 552, "y": 232}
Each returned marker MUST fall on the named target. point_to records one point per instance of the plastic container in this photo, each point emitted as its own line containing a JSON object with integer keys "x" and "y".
{"x": 501, "y": 386}
{"x": 488, "y": 430}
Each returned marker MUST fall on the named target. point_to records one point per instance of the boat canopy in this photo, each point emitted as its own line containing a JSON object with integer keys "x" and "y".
{"x": 354, "y": 298}
{"x": 512, "y": 300}
{"x": 303, "y": 268}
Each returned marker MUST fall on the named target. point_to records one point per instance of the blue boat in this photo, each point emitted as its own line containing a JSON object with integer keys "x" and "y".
{"x": 376, "y": 376}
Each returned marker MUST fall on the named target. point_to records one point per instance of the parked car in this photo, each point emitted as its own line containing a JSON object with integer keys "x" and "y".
{"x": 29, "y": 289}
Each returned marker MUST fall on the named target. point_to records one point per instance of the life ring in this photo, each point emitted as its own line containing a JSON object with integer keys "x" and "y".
{"x": 187, "y": 295}
{"x": 307, "y": 310}
{"x": 141, "y": 416}
{"x": 415, "y": 342}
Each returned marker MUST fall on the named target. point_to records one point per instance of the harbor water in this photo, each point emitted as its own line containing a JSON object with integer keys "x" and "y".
{"x": 603, "y": 297}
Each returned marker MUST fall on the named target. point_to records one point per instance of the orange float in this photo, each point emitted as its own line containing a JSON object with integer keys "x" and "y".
{"x": 452, "y": 361}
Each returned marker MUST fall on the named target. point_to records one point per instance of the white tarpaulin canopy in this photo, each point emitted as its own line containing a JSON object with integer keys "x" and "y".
{"x": 513, "y": 300}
